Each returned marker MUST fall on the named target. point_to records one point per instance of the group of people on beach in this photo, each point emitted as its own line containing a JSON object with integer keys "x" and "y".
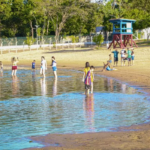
{"x": 88, "y": 76}
{"x": 126, "y": 55}
{"x": 43, "y": 67}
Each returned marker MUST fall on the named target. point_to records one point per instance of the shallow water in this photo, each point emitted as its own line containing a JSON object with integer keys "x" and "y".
{"x": 31, "y": 105}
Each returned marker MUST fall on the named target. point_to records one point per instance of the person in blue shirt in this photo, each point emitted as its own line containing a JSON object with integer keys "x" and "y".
{"x": 33, "y": 65}
{"x": 115, "y": 57}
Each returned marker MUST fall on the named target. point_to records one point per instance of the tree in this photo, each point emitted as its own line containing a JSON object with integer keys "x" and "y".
{"x": 5, "y": 9}
{"x": 98, "y": 39}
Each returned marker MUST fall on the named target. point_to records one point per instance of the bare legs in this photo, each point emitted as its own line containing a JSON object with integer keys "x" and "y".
{"x": 91, "y": 87}
{"x": 55, "y": 74}
{"x": 42, "y": 72}
{"x": 116, "y": 63}
{"x": 87, "y": 91}
{"x": 122, "y": 61}
{"x": 14, "y": 72}
{"x": 132, "y": 62}
{"x": 129, "y": 62}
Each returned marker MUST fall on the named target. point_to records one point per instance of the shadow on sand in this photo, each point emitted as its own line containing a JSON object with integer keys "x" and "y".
{"x": 66, "y": 51}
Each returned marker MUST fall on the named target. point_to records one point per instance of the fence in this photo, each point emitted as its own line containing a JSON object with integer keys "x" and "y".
{"x": 18, "y": 43}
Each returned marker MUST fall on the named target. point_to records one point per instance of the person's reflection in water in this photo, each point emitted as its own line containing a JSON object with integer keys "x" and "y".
{"x": 1, "y": 74}
{"x": 89, "y": 111}
{"x": 33, "y": 74}
{"x": 45, "y": 103}
{"x": 15, "y": 86}
{"x": 1, "y": 91}
{"x": 34, "y": 83}
{"x": 43, "y": 87}
{"x": 55, "y": 87}
{"x": 110, "y": 84}
{"x": 124, "y": 88}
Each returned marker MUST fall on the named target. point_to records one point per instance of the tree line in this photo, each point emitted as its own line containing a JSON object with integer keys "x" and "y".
{"x": 67, "y": 17}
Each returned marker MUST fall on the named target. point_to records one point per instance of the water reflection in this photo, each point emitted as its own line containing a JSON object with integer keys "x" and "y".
{"x": 54, "y": 87}
{"x": 15, "y": 86}
{"x": 31, "y": 105}
{"x": 43, "y": 87}
{"x": 88, "y": 106}
{"x": 1, "y": 74}
{"x": 34, "y": 85}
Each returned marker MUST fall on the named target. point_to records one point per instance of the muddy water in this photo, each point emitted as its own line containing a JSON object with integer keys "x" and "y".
{"x": 31, "y": 105}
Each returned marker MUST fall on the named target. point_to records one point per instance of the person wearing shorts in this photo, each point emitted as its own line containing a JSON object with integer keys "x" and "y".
{"x": 125, "y": 58}
{"x": 54, "y": 66}
{"x": 33, "y": 65}
{"x": 115, "y": 57}
{"x": 43, "y": 66}
{"x": 129, "y": 57}
{"x": 133, "y": 56}
{"x": 14, "y": 65}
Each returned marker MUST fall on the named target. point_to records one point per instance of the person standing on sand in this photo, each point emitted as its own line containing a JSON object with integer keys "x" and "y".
{"x": 14, "y": 65}
{"x": 43, "y": 66}
{"x": 54, "y": 64}
{"x": 122, "y": 56}
{"x": 115, "y": 57}
{"x": 133, "y": 56}
{"x": 129, "y": 57}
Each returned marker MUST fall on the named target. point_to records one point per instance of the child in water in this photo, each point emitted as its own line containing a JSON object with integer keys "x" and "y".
{"x": 54, "y": 66}
{"x": 89, "y": 80}
{"x": 1, "y": 67}
{"x": 33, "y": 65}
{"x": 14, "y": 61}
{"x": 43, "y": 66}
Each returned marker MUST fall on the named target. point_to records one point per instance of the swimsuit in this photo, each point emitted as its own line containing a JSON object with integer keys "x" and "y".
{"x": 33, "y": 65}
{"x": 43, "y": 64}
{"x": 14, "y": 66}
{"x": 108, "y": 69}
{"x": 54, "y": 65}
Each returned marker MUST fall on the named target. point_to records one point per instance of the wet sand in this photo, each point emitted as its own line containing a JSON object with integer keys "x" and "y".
{"x": 137, "y": 76}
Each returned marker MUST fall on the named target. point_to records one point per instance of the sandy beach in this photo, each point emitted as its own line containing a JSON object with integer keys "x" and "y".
{"x": 137, "y": 76}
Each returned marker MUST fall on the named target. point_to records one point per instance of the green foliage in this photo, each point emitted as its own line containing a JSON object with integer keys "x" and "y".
{"x": 29, "y": 40}
{"x": 39, "y": 32}
{"x": 74, "y": 39}
{"x": 54, "y": 44}
{"x": 98, "y": 39}
{"x": 58, "y": 17}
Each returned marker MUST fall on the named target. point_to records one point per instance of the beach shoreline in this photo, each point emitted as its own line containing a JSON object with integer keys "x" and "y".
{"x": 118, "y": 138}
{"x": 137, "y": 76}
